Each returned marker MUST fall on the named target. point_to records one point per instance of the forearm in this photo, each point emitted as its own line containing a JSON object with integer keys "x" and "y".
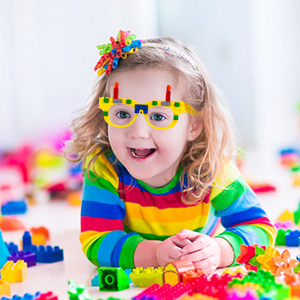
{"x": 227, "y": 253}
{"x": 145, "y": 254}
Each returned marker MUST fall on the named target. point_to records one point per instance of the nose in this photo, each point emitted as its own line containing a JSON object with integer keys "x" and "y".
{"x": 139, "y": 129}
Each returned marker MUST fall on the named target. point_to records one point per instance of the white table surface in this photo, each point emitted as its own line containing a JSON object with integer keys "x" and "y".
{"x": 63, "y": 222}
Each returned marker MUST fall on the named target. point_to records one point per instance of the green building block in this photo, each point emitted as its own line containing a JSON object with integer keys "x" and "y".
{"x": 78, "y": 292}
{"x": 145, "y": 277}
{"x": 279, "y": 292}
{"x": 112, "y": 279}
{"x": 281, "y": 237}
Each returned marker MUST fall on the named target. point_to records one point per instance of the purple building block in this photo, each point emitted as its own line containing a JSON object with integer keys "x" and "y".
{"x": 28, "y": 257}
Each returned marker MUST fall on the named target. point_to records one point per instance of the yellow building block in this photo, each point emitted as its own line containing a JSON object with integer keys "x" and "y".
{"x": 4, "y": 288}
{"x": 296, "y": 179}
{"x": 286, "y": 215}
{"x": 14, "y": 272}
{"x": 145, "y": 277}
{"x": 38, "y": 239}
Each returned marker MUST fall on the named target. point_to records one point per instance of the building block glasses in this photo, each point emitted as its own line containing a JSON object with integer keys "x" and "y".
{"x": 158, "y": 114}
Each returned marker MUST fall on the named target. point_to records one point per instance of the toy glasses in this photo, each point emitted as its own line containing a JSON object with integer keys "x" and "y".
{"x": 158, "y": 114}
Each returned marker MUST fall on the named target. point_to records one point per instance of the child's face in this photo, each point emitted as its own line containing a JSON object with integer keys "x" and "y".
{"x": 149, "y": 154}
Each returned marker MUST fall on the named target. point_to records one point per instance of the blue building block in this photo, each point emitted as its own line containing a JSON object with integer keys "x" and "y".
{"x": 95, "y": 280}
{"x": 12, "y": 247}
{"x": 26, "y": 241}
{"x": 48, "y": 254}
{"x": 4, "y": 253}
{"x": 28, "y": 257}
{"x": 292, "y": 238}
{"x": 128, "y": 271}
{"x": 14, "y": 207}
{"x": 26, "y": 296}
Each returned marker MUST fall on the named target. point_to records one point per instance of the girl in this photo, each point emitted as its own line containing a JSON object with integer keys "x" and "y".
{"x": 157, "y": 146}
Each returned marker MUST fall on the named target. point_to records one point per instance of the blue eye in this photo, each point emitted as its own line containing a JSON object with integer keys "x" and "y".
{"x": 157, "y": 117}
{"x": 123, "y": 114}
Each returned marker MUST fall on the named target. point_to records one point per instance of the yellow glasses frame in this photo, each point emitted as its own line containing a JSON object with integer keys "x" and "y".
{"x": 142, "y": 108}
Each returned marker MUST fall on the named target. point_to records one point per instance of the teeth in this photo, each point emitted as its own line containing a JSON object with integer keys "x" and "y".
{"x": 133, "y": 153}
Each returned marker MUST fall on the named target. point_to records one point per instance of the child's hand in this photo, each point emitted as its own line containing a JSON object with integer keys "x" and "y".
{"x": 203, "y": 250}
{"x": 170, "y": 250}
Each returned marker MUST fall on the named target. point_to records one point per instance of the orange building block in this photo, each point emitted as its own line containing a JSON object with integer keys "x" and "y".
{"x": 173, "y": 271}
{"x": 14, "y": 272}
{"x": 4, "y": 288}
{"x": 40, "y": 230}
{"x": 191, "y": 276}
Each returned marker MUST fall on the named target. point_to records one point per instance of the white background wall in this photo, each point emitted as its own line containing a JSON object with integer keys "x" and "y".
{"x": 251, "y": 48}
{"x": 47, "y": 57}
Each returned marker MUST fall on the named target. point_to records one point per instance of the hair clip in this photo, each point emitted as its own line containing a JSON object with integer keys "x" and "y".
{"x": 116, "y": 49}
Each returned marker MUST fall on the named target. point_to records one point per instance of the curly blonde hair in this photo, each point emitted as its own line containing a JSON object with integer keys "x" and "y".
{"x": 204, "y": 157}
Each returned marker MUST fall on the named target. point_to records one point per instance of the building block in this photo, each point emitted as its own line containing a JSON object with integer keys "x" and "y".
{"x": 173, "y": 271}
{"x": 145, "y": 277}
{"x": 46, "y": 296}
{"x": 95, "y": 280}
{"x": 26, "y": 296}
{"x": 112, "y": 279}
{"x": 148, "y": 291}
{"x": 166, "y": 291}
{"x": 191, "y": 275}
{"x": 14, "y": 207}
{"x": 10, "y": 223}
{"x": 38, "y": 239}
{"x": 77, "y": 291}
{"x": 28, "y": 257}
{"x": 12, "y": 247}
{"x": 286, "y": 215}
{"x": 41, "y": 230}
{"x": 4, "y": 288}
{"x": 26, "y": 241}
{"x": 292, "y": 238}
{"x": 281, "y": 237}
{"x": 14, "y": 272}
{"x": 4, "y": 253}
{"x": 48, "y": 254}
{"x": 128, "y": 271}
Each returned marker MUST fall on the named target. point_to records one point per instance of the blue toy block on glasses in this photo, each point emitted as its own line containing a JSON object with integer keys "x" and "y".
{"x": 48, "y": 254}
{"x": 14, "y": 207}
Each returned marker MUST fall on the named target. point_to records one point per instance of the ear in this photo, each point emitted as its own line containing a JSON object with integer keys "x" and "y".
{"x": 195, "y": 128}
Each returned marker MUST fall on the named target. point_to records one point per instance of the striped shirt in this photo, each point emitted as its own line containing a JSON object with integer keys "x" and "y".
{"x": 119, "y": 211}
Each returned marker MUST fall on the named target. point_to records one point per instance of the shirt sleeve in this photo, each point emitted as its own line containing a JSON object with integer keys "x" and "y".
{"x": 103, "y": 239}
{"x": 241, "y": 214}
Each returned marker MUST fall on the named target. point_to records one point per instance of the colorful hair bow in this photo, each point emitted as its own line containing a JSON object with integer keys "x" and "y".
{"x": 116, "y": 49}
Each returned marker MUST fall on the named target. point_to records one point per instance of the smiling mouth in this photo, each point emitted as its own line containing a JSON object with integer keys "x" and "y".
{"x": 141, "y": 153}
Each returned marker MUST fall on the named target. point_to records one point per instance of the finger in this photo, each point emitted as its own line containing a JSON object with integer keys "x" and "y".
{"x": 175, "y": 252}
{"x": 207, "y": 265}
{"x": 180, "y": 243}
{"x": 198, "y": 244}
{"x": 187, "y": 234}
{"x": 197, "y": 255}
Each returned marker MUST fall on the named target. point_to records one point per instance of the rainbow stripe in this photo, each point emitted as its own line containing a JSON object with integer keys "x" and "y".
{"x": 114, "y": 222}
